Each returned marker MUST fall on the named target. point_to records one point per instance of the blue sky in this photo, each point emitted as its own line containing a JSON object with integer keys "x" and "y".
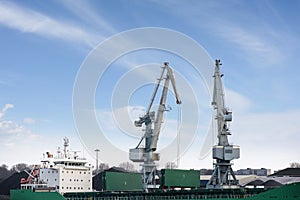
{"x": 43, "y": 45}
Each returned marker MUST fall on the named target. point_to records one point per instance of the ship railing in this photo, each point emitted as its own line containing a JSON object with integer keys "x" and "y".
{"x": 75, "y": 158}
{"x": 37, "y": 187}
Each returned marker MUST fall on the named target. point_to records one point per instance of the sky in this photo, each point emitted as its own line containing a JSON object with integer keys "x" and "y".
{"x": 47, "y": 47}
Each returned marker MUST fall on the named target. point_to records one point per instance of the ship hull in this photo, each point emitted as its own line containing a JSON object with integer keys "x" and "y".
{"x": 287, "y": 192}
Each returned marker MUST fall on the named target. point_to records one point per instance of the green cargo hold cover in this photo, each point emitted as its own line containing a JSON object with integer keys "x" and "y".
{"x": 180, "y": 178}
{"x": 30, "y": 195}
{"x": 122, "y": 181}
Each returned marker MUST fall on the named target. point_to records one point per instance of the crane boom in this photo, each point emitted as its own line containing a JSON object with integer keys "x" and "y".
{"x": 162, "y": 106}
{"x": 156, "y": 89}
{"x": 172, "y": 78}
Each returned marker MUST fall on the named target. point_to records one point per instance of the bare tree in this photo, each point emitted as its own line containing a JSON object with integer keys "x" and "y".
{"x": 4, "y": 172}
{"x": 295, "y": 165}
{"x": 20, "y": 167}
{"x": 171, "y": 165}
{"x": 103, "y": 166}
{"x": 128, "y": 166}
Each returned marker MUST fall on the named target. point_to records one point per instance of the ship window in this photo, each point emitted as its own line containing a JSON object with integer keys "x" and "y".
{"x": 48, "y": 171}
{"x": 62, "y": 171}
{"x": 74, "y": 188}
{"x": 82, "y": 188}
{"x": 54, "y": 179}
{"x": 89, "y": 172}
{"x": 67, "y": 171}
{"x": 84, "y": 172}
{"x": 52, "y": 172}
{"x": 62, "y": 179}
{"x": 79, "y": 172}
{"x": 47, "y": 180}
{"x": 62, "y": 187}
{"x": 72, "y": 172}
{"x": 42, "y": 172}
{"x": 70, "y": 179}
{"x": 81, "y": 180}
{"x": 67, "y": 187}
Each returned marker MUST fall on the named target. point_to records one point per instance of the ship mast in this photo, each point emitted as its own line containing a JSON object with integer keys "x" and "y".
{"x": 66, "y": 144}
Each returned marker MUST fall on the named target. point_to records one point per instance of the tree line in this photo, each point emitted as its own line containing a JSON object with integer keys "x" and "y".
{"x": 6, "y": 172}
{"x": 128, "y": 166}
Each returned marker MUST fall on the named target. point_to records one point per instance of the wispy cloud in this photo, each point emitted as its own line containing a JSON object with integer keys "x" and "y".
{"x": 269, "y": 139}
{"x": 29, "y": 21}
{"x": 121, "y": 120}
{"x": 14, "y": 137}
{"x": 252, "y": 35}
{"x": 87, "y": 13}
{"x": 29, "y": 121}
{"x": 253, "y": 44}
{"x": 4, "y": 81}
{"x": 4, "y": 109}
{"x": 9, "y": 128}
{"x": 237, "y": 102}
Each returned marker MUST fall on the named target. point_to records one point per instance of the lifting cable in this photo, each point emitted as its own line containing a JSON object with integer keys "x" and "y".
{"x": 178, "y": 134}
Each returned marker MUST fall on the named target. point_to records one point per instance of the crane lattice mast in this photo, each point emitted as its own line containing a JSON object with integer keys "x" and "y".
{"x": 223, "y": 175}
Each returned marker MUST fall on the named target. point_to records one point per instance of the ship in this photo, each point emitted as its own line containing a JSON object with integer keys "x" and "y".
{"x": 67, "y": 176}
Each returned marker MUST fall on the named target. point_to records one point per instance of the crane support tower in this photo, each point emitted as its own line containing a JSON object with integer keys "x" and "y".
{"x": 146, "y": 154}
{"x": 223, "y": 175}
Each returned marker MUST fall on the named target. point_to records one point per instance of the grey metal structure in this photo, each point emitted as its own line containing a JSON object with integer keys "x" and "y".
{"x": 223, "y": 175}
{"x": 147, "y": 154}
{"x": 97, "y": 164}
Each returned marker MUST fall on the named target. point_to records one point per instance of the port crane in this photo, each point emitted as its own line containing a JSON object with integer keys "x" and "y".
{"x": 223, "y": 175}
{"x": 147, "y": 154}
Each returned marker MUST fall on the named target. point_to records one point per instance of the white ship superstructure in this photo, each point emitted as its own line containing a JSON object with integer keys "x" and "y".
{"x": 64, "y": 173}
